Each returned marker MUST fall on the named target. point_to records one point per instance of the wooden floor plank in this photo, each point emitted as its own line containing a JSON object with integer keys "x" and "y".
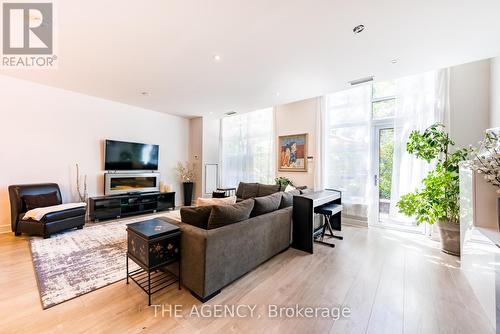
{"x": 392, "y": 282}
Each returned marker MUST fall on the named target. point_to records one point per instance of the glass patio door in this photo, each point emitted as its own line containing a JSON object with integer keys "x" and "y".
{"x": 383, "y": 171}
{"x": 383, "y": 151}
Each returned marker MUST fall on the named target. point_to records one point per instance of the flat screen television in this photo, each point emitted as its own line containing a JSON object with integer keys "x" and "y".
{"x": 125, "y": 156}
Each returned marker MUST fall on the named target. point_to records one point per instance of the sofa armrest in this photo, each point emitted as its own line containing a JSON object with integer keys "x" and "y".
{"x": 193, "y": 251}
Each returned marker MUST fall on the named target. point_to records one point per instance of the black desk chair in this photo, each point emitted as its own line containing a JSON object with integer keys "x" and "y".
{"x": 329, "y": 211}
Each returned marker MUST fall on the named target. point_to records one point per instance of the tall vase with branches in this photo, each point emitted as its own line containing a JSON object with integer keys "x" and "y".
{"x": 487, "y": 158}
{"x": 81, "y": 188}
{"x": 187, "y": 174}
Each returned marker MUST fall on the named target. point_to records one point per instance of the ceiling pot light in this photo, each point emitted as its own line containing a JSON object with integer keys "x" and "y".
{"x": 395, "y": 60}
{"x": 217, "y": 58}
{"x": 230, "y": 113}
{"x": 359, "y": 28}
{"x": 145, "y": 93}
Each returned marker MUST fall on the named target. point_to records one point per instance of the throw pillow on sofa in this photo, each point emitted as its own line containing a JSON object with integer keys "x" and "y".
{"x": 287, "y": 198}
{"x": 216, "y": 201}
{"x": 247, "y": 190}
{"x": 266, "y": 204}
{"x": 40, "y": 201}
{"x": 267, "y": 189}
{"x": 196, "y": 216}
{"x": 223, "y": 215}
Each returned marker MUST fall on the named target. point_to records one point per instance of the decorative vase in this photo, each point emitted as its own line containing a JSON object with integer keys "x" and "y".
{"x": 188, "y": 193}
{"x": 450, "y": 237}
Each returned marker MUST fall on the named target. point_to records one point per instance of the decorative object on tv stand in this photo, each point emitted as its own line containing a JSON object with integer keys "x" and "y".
{"x": 165, "y": 188}
{"x": 187, "y": 174}
{"x": 439, "y": 199}
{"x": 83, "y": 195}
{"x": 283, "y": 181}
{"x": 292, "y": 153}
{"x": 487, "y": 160}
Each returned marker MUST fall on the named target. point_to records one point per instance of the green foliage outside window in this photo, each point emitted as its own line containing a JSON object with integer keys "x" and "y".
{"x": 386, "y": 150}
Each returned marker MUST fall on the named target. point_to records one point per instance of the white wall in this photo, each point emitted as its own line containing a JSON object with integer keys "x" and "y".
{"x": 296, "y": 118}
{"x": 495, "y": 93}
{"x": 196, "y": 152}
{"x": 469, "y": 102}
{"x": 44, "y": 131}
{"x": 211, "y": 131}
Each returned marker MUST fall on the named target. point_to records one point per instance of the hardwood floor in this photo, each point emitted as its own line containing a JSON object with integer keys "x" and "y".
{"x": 392, "y": 282}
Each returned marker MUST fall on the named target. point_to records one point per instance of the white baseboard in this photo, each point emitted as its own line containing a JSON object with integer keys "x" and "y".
{"x": 5, "y": 229}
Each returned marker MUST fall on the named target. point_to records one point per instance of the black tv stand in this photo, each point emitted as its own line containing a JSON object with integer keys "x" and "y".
{"x": 118, "y": 206}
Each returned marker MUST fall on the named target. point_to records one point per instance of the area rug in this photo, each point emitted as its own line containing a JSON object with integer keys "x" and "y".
{"x": 77, "y": 262}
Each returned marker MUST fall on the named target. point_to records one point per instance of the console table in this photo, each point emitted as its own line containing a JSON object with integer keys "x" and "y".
{"x": 303, "y": 216}
{"x": 117, "y": 206}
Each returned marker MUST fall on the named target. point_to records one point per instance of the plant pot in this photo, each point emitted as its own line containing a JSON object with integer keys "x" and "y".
{"x": 188, "y": 193}
{"x": 450, "y": 237}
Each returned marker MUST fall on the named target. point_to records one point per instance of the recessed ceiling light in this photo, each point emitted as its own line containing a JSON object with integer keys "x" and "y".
{"x": 145, "y": 93}
{"x": 395, "y": 60}
{"x": 211, "y": 113}
{"x": 217, "y": 58}
{"x": 231, "y": 113}
{"x": 277, "y": 94}
{"x": 359, "y": 28}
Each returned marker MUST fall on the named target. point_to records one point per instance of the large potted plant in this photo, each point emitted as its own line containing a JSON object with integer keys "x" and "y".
{"x": 438, "y": 200}
{"x": 187, "y": 174}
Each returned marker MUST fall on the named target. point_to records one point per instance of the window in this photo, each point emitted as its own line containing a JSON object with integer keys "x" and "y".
{"x": 383, "y": 100}
{"x": 248, "y": 144}
{"x": 348, "y": 146}
{"x": 366, "y": 131}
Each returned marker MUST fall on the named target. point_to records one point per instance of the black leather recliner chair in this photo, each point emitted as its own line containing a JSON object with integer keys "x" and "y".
{"x": 50, "y": 223}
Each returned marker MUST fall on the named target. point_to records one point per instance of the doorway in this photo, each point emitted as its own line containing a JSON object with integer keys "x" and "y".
{"x": 383, "y": 152}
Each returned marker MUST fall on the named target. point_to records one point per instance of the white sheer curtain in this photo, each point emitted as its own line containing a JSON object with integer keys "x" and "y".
{"x": 422, "y": 100}
{"x": 347, "y": 148}
{"x": 248, "y": 148}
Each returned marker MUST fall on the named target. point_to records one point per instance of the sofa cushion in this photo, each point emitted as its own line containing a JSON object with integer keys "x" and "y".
{"x": 266, "y": 204}
{"x": 40, "y": 201}
{"x": 247, "y": 190}
{"x": 196, "y": 216}
{"x": 215, "y": 201}
{"x": 64, "y": 214}
{"x": 287, "y": 198}
{"x": 305, "y": 190}
{"x": 267, "y": 189}
{"x": 223, "y": 215}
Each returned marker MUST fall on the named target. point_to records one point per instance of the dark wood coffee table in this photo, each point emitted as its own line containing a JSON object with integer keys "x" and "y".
{"x": 154, "y": 244}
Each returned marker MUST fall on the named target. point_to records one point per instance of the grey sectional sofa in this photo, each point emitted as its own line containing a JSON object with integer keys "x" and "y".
{"x": 211, "y": 259}
{"x": 257, "y": 228}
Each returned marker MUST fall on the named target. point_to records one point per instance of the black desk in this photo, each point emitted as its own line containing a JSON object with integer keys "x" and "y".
{"x": 303, "y": 216}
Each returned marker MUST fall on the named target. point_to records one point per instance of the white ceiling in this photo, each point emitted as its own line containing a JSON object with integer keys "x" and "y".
{"x": 117, "y": 49}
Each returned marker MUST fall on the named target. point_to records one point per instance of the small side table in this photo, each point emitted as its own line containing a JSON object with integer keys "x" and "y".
{"x": 153, "y": 244}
